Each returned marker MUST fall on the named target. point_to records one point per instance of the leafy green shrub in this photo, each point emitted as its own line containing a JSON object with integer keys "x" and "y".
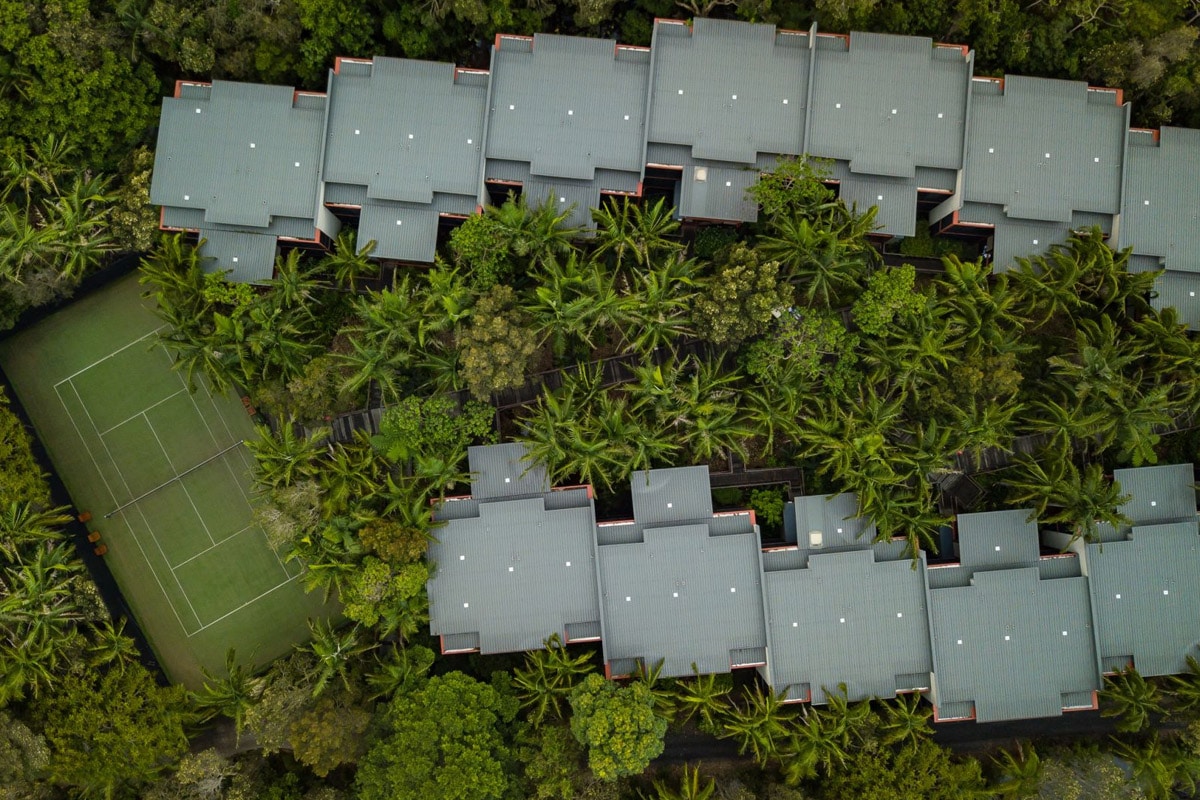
{"x": 768, "y": 506}
{"x": 712, "y": 239}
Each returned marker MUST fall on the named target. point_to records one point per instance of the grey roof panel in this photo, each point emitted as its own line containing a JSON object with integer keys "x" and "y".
{"x": 245, "y": 257}
{"x": 1015, "y": 239}
{"x": 825, "y": 629}
{"x": 576, "y": 196}
{"x": 1067, "y": 159}
{"x": 243, "y": 153}
{"x": 503, "y": 470}
{"x": 1146, "y": 595}
{"x": 405, "y": 129}
{"x": 515, "y": 595}
{"x": 711, "y": 78}
{"x": 1158, "y": 494}
{"x": 1012, "y": 645}
{"x": 888, "y": 104}
{"x": 1181, "y": 291}
{"x": 679, "y": 494}
{"x": 683, "y": 597}
{"x": 404, "y": 231}
{"x": 998, "y": 540}
{"x": 567, "y": 105}
{"x": 895, "y": 199}
{"x": 1160, "y": 216}
{"x": 718, "y": 193}
{"x": 834, "y": 517}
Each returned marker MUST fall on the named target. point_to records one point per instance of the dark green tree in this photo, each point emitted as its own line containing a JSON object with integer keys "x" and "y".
{"x": 617, "y": 725}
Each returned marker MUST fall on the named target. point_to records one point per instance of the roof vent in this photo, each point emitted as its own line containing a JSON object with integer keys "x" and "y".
{"x": 815, "y": 538}
{"x": 701, "y": 174}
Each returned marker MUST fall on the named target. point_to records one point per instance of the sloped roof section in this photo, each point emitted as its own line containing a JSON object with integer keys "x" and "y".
{"x": 712, "y": 78}
{"x": 888, "y": 104}
{"x": 1042, "y": 149}
{"x": 665, "y": 496}
{"x": 242, "y": 153}
{"x": 505, "y": 470}
{"x": 825, "y": 629}
{"x": 405, "y": 129}
{"x": 683, "y": 597}
{"x": 244, "y": 257}
{"x": 1012, "y": 646}
{"x": 516, "y": 573}
{"x": 1146, "y": 593}
{"x": 1160, "y": 216}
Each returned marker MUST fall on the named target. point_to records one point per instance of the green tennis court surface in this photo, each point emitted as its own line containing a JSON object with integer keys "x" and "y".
{"x": 130, "y": 440}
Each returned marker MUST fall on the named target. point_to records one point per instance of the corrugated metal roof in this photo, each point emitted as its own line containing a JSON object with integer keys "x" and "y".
{"x": 578, "y": 197}
{"x": 998, "y": 540}
{"x": 244, "y": 154}
{"x": 834, "y": 517}
{"x": 1158, "y": 494}
{"x": 1015, "y": 239}
{"x": 568, "y": 105}
{"x": 1159, "y": 216}
{"x": 405, "y": 231}
{"x": 887, "y": 104}
{"x": 709, "y": 192}
{"x": 406, "y": 129}
{"x": 1012, "y": 645}
{"x": 712, "y": 79}
{"x": 895, "y": 199}
{"x": 1181, "y": 291}
{"x": 826, "y": 629}
{"x": 665, "y": 496}
{"x": 1146, "y": 595}
{"x": 245, "y": 257}
{"x": 683, "y": 597}
{"x": 503, "y": 470}
{"x": 1043, "y": 148}
{"x": 515, "y": 575}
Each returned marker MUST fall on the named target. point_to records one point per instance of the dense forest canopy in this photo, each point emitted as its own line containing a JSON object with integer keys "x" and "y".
{"x": 789, "y": 342}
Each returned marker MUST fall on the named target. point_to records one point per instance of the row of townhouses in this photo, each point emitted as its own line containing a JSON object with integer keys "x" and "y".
{"x": 401, "y": 148}
{"x": 1023, "y": 624}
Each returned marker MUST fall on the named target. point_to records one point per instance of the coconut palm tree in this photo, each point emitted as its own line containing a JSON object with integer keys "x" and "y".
{"x": 704, "y": 698}
{"x": 1156, "y": 769}
{"x": 283, "y": 457}
{"x": 1131, "y": 699}
{"x": 111, "y": 647}
{"x": 817, "y": 741}
{"x": 232, "y": 695}
{"x": 349, "y": 263}
{"x": 1020, "y": 774}
{"x": 690, "y": 787}
{"x": 1185, "y": 689}
{"x": 335, "y": 650}
{"x": 657, "y": 310}
{"x": 759, "y": 724}
{"x": 24, "y": 525}
{"x": 545, "y": 682}
{"x": 1083, "y": 499}
{"x": 573, "y": 299}
{"x": 643, "y": 232}
{"x": 905, "y": 720}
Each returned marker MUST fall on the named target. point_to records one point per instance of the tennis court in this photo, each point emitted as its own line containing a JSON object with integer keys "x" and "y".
{"x": 165, "y": 474}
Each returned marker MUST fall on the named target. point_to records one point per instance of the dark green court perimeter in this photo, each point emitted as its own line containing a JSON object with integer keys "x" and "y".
{"x": 118, "y": 423}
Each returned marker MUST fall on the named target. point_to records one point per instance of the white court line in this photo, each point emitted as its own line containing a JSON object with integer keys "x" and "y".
{"x": 142, "y": 513}
{"x": 141, "y": 413}
{"x": 105, "y": 358}
{"x": 170, "y": 464}
{"x": 236, "y": 481}
{"x": 233, "y": 535}
{"x": 243, "y": 605}
{"x": 136, "y": 539}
